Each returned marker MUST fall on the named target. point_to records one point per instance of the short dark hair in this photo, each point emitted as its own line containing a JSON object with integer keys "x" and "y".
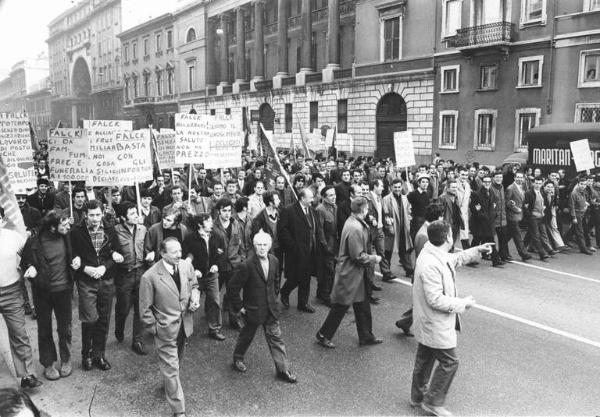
{"x": 124, "y": 208}
{"x": 13, "y": 401}
{"x": 92, "y": 205}
{"x": 437, "y": 232}
{"x": 375, "y": 183}
{"x": 173, "y": 212}
{"x": 176, "y": 187}
{"x": 200, "y": 218}
{"x": 222, "y": 203}
{"x": 396, "y": 181}
{"x": 357, "y": 205}
{"x": 433, "y": 212}
{"x": 163, "y": 244}
{"x": 232, "y": 181}
{"x": 52, "y": 219}
{"x": 269, "y": 197}
{"x": 325, "y": 189}
{"x": 77, "y": 190}
{"x": 240, "y": 204}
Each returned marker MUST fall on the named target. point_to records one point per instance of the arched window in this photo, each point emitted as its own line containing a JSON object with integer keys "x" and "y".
{"x": 191, "y": 35}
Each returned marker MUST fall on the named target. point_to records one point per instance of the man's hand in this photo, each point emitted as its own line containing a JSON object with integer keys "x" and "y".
{"x": 214, "y": 269}
{"x": 194, "y": 301}
{"x": 150, "y": 257}
{"x": 31, "y": 272}
{"x": 574, "y": 220}
{"x": 117, "y": 257}
{"x": 91, "y": 271}
{"x": 477, "y": 206}
{"x": 377, "y": 259}
{"x": 469, "y": 301}
{"x": 72, "y": 220}
{"x": 198, "y": 274}
{"x": 101, "y": 270}
{"x": 485, "y": 248}
{"x": 76, "y": 263}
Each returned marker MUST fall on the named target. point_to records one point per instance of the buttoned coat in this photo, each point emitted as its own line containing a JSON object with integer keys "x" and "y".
{"x": 435, "y": 298}
{"x": 463, "y": 198}
{"x": 392, "y": 211}
{"x": 514, "y": 212}
{"x": 260, "y": 292}
{"x": 163, "y": 308}
{"x": 354, "y": 263}
{"x": 295, "y": 234}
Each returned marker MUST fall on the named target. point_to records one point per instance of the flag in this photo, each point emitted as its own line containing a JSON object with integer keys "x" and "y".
{"x": 154, "y": 151}
{"x": 273, "y": 167}
{"x": 333, "y": 149}
{"x": 304, "y": 141}
{"x": 8, "y": 201}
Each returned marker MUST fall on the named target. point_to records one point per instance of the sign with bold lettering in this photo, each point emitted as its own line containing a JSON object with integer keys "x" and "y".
{"x": 108, "y": 124}
{"x": 119, "y": 157}
{"x": 67, "y": 154}
{"x": 165, "y": 148}
{"x": 403, "y": 148}
{"x": 16, "y": 150}
{"x": 582, "y": 155}
{"x": 215, "y": 141}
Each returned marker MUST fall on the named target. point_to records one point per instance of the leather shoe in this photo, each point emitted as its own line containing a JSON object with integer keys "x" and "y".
{"x": 239, "y": 365}
{"x": 325, "y": 301}
{"x": 307, "y": 308}
{"x": 544, "y": 257}
{"x": 86, "y": 362}
{"x": 526, "y": 257}
{"x": 405, "y": 329}
{"x": 101, "y": 363}
{"x": 217, "y": 335}
{"x": 587, "y": 252}
{"x": 374, "y": 300}
{"x": 372, "y": 341}
{"x": 138, "y": 348}
{"x": 285, "y": 300}
{"x": 388, "y": 278}
{"x": 287, "y": 376}
{"x": 436, "y": 410}
{"x": 323, "y": 341}
{"x": 375, "y": 287}
{"x": 30, "y": 381}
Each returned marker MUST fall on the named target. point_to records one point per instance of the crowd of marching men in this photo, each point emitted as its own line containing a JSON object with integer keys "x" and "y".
{"x": 105, "y": 239}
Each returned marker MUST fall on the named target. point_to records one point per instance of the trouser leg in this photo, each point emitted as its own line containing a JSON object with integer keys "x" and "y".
{"x": 274, "y": 339}
{"x": 363, "y": 319}
{"x": 406, "y": 261}
{"x": 123, "y": 290}
{"x": 303, "y": 288}
{"x": 212, "y": 301}
{"x": 502, "y": 242}
{"x": 106, "y": 291}
{"x": 325, "y": 277}
{"x": 442, "y": 376}
{"x": 64, "y": 316}
{"x": 333, "y": 320}
{"x": 43, "y": 306}
{"x": 514, "y": 233}
{"x": 138, "y": 332}
{"x": 244, "y": 340}
{"x": 168, "y": 362}
{"x": 424, "y": 362}
{"x": 11, "y": 308}
{"x": 224, "y": 278}
{"x": 379, "y": 243}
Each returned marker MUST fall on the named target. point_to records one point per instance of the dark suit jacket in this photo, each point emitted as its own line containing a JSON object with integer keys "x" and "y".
{"x": 481, "y": 222}
{"x": 260, "y": 292}
{"x": 81, "y": 244}
{"x": 298, "y": 238}
{"x": 42, "y": 204}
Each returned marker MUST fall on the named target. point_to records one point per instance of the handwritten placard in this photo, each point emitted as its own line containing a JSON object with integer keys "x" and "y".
{"x": 404, "y": 149}
{"x": 191, "y": 138}
{"x": 67, "y": 154}
{"x": 582, "y": 156}
{"x": 165, "y": 148}
{"x": 16, "y": 149}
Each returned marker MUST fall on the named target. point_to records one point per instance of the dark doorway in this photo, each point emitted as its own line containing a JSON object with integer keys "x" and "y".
{"x": 391, "y": 117}
{"x": 267, "y": 118}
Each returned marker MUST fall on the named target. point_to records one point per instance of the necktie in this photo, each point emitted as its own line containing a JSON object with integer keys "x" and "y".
{"x": 175, "y": 277}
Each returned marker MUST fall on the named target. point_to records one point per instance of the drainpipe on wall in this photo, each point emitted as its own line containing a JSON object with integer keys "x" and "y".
{"x": 433, "y": 64}
{"x": 552, "y": 54}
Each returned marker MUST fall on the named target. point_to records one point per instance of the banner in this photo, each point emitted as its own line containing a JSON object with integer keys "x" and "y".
{"x": 403, "y": 148}
{"x": 16, "y": 150}
{"x": 67, "y": 154}
{"x": 273, "y": 168}
{"x": 108, "y": 124}
{"x": 165, "y": 148}
{"x": 215, "y": 141}
{"x": 582, "y": 156}
{"x": 119, "y": 157}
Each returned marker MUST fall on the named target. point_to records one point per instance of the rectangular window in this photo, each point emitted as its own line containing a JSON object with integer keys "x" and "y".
{"x": 587, "y": 113}
{"x": 533, "y": 11}
{"x": 170, "y": 82}
{"x": 169, "y": 39}
{"x": 487, "y": 77}
{"x": 589, "y": 69}
{"x": 452, "y": 10}
{"x": 342, "y": 116}
{"x": 530, "y": 71}
{"x": 126, "y": 53}
{"x": 525, "y": 119}
{"x": 591, "y": 5}
{"x": 159, "y": 92}
{"x": 485, "y": 129}
{"x": 134, "y": 50}
{"x": 191, "y": 71}
{"x": 135, "y": 88}
{"x": 146, "y": 47}
{"x": 126, "y": 90}
{"x": 450, "y": 78}
{"x": 448, "y": 126}
{"x": 288, "y": 118}
{"x": 298, "y": 58}
{"x": 158, "y": 43}
{"x": 314, "y": 115}
{"x": 227, "y": 111}
{"x": 213, "y": 112}
{"x": 146, "y": 85}
{"x": 391, "y": 39}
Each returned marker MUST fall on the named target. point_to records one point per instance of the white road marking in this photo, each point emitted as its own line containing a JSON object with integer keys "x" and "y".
{"x": 541, "y": 268}
{"x": 518, "y": 319}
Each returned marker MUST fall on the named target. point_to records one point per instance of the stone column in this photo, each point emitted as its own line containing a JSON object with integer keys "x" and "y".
{"x": 225, "y": 19}
{"x": 259, "y": 40}
{"x": 211, "y": 59}
{"x": 282, "y": 33}
{"x": 74, "y": 115}
{"x": 240, "y": 51}
{"x": 333, "y": 43}
{"x": 306, "y": 37}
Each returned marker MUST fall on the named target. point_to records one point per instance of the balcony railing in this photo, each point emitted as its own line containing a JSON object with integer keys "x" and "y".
{"x": 343, "y": 73}
{"x": 491, "y": 33}
{"x": 227, "y": 89}
{"x": 211, "y": 91}
{"x": 264, "y": 85}
{"x": 294, "y": 21}
{"x": 347, "y": 7}
{"x": 270, "y": 28}
{"x": 320, "y": 14}
{"x": 316, "y": 77}
{"x": 140, "y": 100}
{"x": 288, "y": 80}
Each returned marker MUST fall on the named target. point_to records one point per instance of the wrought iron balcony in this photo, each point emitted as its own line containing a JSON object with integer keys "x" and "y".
{"x": 288, "y": 80}
{"x": 316, "y": 77}
{"x": 264, "y": 85}
{"x": 483, "y": 35}
{"x": 342, "y": 73}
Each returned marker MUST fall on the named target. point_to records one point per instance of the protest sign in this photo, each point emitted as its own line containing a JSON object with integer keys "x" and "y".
{"x": 67, "y": 154}
{"x": 582, "y": 156}
{"x": 120, "y": 157}
{"x": 16, "y": 150}
{"x": 191, "y": 138}
{"x": 165, "y": 148}
{"x": 108, "y": 124}
{"x": 403, "y": 148}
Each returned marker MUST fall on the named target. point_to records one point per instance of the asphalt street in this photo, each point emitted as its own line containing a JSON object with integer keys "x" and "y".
{"x": 531, "y": 347}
